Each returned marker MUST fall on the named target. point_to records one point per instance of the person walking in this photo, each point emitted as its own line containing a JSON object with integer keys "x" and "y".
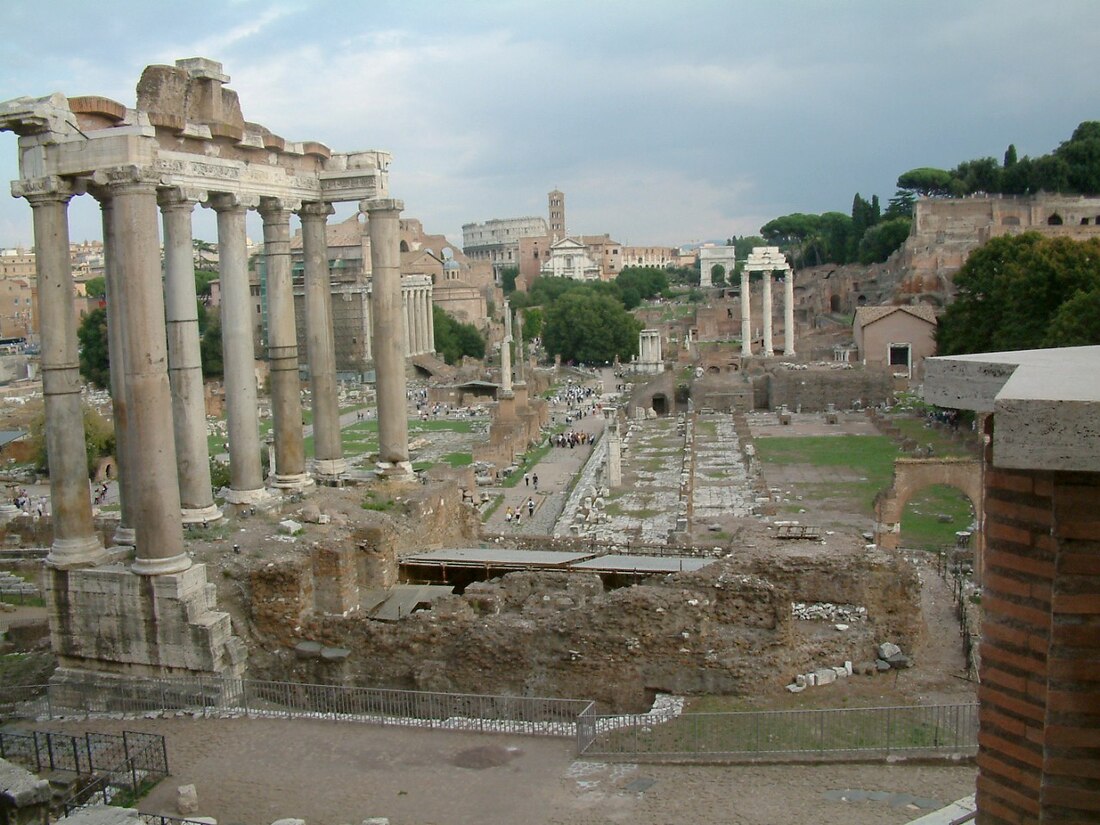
{"x": 530, "y": 507}
{"x": 535, "y": 481}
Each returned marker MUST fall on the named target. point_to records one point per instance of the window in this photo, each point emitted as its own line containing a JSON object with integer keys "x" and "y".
{"x": 900, "y": 357}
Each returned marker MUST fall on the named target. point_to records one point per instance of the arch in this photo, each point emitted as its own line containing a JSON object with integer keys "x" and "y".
{"x": 1010, "y": 220}
{"x": 861, "y": 301}
{"x": 714, "y": 369}
{"x": 911, "y": 475}
{"x": 660, "y": 404}
{"x": 834, "y": 303}
{"x": 404, "y": 246}
{"x": 1054, "y": 220}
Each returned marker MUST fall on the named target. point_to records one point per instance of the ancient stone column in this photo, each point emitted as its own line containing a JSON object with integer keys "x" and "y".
{"x": 289, "y": 468}
{"x": 124, "y": 534}
{"x": 506, "y": 353}
{"x": 368, "y": 311}
{"x": 521, "y": 365}
{"x": 74, "y": 540}
{"x": 767, "y": 312}
{"x": 184, "y": 360}
{"x": 389, "y": 358}
{"x": 329, "y": 463}
{"x": 246, "y": 485}
{"x": 788, "y": 313}
{"x": 156, "y": 505}
{"x": 407, "y": 325}
{"x": 746, "y": 316}
{"x": 421, "y": 316}
{"x": 431, "y": 323}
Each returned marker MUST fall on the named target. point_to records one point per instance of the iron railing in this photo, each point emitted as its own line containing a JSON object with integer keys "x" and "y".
{"x": 883, "y": 731}
{"x": 748, "y": 735}
{"x": 211, "y": 697}
{"x": 79, "y": 754}
{"x": 144, "y": 764}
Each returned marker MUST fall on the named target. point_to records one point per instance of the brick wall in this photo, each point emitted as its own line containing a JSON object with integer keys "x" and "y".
{"x": 1039, "y": 746}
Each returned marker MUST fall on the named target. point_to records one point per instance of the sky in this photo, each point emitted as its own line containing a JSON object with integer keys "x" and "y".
{"x": 664, "y": 123}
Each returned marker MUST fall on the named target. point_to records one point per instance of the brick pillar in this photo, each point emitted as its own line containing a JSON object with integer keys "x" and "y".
{"x": 1039, "y": 746}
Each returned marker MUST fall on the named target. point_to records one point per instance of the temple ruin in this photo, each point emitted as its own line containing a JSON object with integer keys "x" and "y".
{"x": 185, "y": 143}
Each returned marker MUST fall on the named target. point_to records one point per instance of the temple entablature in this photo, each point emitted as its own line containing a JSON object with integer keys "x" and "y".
{"x": 188, "y": 131}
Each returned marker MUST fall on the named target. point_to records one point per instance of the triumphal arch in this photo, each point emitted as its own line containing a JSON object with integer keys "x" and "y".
{"x": 141, "y": 607}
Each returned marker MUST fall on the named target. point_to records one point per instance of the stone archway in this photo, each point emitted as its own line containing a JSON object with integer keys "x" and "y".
{"x": 911, "y": 475}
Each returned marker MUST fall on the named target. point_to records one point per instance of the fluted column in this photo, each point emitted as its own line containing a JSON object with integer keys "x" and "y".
{"x": 156, "y": 491}
{"x": 74, "y": 540}
{"x": 421, "y": 333}
{"x": 389, "y": 358}
{"x": 368, "y": 312}
{"x": 746, "y": 316}
{"x": 185, "y": 361}
{"x": 289, "y": 470}
{"x": 246, "y": 482}
{"x": 329, "y": 463}
{"x": 767, "y": 312}
{"x": 788, "y": 313}
{"x": 115, "y": 294}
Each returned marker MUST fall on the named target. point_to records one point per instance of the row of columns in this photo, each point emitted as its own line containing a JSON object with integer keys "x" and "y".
{"x": 419, "y": 326}
{"x": 156, "y": 377}
{"x": 788, "y": 314}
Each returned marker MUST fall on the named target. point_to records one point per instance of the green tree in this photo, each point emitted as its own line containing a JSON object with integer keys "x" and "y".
{"x": 203, "y": 278}
{"x": 210, "y": 348}
{"x": 1077, "y": 321}
{"x": 96, "y": 287}
{"x": 95, "y": 362}
{"x": 1019, "y": 292}
{"x": 1010, "y": 156}
{"x": 587, "y": 326}
{"x": 927, "y": 181}
{"x": 533, "y": 318}
{"x": 508, "y": 277}
{"x": 981, "y": 175}
{"x": 454, "y": 339}
{"x": 880, "y": 241}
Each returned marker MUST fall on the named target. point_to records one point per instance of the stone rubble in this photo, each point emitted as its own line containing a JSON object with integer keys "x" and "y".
{"x": 827, "y": 612}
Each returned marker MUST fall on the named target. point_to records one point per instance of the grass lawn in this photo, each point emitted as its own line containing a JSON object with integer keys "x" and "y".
{"x": 915, "y": 429}
{"x": 872, "y": 458}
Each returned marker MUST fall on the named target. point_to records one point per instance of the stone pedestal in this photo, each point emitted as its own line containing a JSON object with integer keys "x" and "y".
{"x": 108, "y": 623}
{"x": 506, "y": 407}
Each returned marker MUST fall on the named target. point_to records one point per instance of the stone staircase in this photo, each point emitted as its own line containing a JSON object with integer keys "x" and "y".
{"x": 13, "y": 585}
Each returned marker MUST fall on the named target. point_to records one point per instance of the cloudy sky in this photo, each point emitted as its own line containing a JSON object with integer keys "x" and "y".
{"x": 663, "y": 121}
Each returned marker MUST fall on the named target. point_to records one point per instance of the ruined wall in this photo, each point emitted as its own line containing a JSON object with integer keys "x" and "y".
{"x": 815, "y": 389}
{"x": 724, "y": 629}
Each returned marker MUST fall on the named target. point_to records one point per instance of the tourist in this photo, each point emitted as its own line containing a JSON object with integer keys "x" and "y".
{"x": 535, "y": 481}
{"x": 530, "y": 507}
{"x": 526, "y": 480}
{"x": 508, "y": 515}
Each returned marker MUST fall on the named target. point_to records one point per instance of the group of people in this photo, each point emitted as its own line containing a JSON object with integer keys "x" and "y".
{"x": 22, "y": 500}
{"x": 570, "y": 439}
{"x": 514, "y": 516}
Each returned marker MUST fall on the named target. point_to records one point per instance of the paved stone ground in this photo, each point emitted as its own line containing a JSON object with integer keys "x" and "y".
{"x": 721, "y": 486}
{"x": 253, "y": 772}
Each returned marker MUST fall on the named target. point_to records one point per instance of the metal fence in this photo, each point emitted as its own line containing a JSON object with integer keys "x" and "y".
{"x": 456, "y": 711}
{"x": 931, "y": 729}
{"x": 144, "y": 764}
{"x": 79, "y": 754}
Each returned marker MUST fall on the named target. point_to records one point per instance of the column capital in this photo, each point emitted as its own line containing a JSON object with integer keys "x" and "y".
{"x": 381, "y": 205}
{"x": 47, "y": 189}
{"x": 278, "y": 209}
{"x": 317, "y": 210}
{"x": 176, "y": 197}
{"x": 231, "y": 201}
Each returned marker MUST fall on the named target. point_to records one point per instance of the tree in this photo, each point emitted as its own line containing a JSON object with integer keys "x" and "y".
{"x": 210, "y": 349}
{"x": 454, "y": 339}
{"x": 880, "y": 241}
{"x": 533, "y": 318}
{"x": 203, "y": 277}
{"x": 508, "y": 277}
{"x": 981, "y": 175}
{"x": 585, "y": 325}
{"x": 1081, "y": 154}
{"x": 95, "y": 362}
{"x": 1077, "y": 321}
{"x": 717, "y": 275}
{"x": 1020, "y": 292}
{"x": 927, "y": 181}
{"x": 1010, "y": 156}
{"x": 96, "y": 287}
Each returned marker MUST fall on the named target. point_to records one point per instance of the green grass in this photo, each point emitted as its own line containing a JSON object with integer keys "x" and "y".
{"x": 373, "y": 501}
{"x": 459, "y": 459}
{"x": 920, "y": 524}
{"x": 527, "y": 461}
{"x": 871, "y": 456}
{"x": 915, "y": 429}
{"x": 492, "y": 508}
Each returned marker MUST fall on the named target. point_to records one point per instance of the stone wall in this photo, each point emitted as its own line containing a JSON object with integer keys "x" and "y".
{"x": 724, "y": 629}
{"x": 814, "y": 390}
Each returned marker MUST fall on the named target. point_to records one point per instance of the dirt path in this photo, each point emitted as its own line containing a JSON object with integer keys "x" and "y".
{"x": 252, "y": 772}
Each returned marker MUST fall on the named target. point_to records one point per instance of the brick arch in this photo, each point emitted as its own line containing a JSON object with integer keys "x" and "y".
{"x": 911, "y": 475}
